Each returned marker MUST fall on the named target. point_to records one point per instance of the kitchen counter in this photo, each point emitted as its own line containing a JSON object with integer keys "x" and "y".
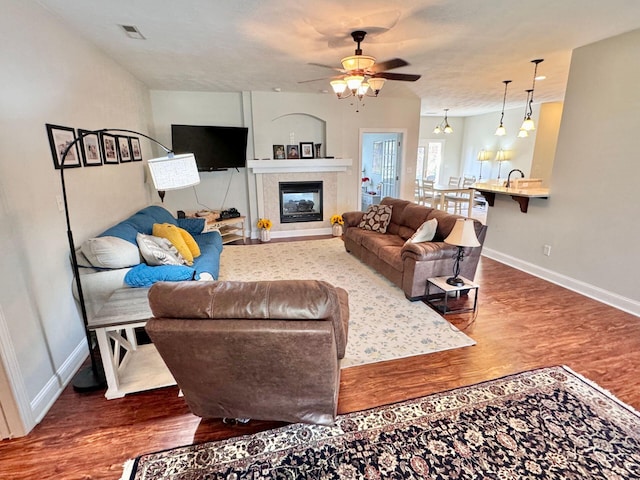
{"x": 520, "y": 195}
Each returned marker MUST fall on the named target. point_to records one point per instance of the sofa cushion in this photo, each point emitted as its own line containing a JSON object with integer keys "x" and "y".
{"x": 145, "y": 275}
{"x": 374, "y": 241}
{"x": 425, "y": 232}
{"x": 413, "y": 216}
{"x": 176, "y": 236}
{"x": 376, "y": 218}
{"x": 396, "y": 223}
{"x": 159, "y": 214}
{"x": 209, "y": 261}
{"x": 110, "y": 252}
{"x": 158, "y": 251}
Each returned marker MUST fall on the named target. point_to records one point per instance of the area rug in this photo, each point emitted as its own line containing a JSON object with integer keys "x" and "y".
{"x": 383, "y": 324}
{"x": 549, "y": 423}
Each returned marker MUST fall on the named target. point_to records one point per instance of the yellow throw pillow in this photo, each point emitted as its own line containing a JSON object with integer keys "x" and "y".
{"x": 191, "y": 243}
{"x": 173, "y": 234}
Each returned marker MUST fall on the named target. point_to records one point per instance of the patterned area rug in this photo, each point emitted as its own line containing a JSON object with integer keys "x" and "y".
{"x": 383, "y": 324}
{"x": 548, "y": 423}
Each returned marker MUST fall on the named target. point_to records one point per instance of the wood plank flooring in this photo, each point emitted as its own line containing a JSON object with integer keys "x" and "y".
{"x": 523, "y": 323}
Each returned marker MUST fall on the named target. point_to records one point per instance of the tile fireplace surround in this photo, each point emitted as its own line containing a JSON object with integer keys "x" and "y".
{"x": 268, "y": 175}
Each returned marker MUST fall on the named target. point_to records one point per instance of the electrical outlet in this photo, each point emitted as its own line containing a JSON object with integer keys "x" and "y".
{"x": 547, "y": 250}
{"x": 60, "y": 203}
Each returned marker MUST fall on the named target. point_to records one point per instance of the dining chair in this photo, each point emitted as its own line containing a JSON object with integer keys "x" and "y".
{"x": 418, "y": 194}
{"x": 459, "y": 199}
{"x": 431, "y": 198}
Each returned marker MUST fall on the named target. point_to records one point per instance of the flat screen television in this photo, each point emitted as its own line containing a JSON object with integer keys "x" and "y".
{"x": 215, "y": 148}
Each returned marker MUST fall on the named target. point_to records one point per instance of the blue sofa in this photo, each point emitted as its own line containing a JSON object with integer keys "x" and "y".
{"x": 111, "y": 260}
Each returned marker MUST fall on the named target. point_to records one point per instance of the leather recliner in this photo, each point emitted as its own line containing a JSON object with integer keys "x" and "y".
{"x": 264, "y": 350}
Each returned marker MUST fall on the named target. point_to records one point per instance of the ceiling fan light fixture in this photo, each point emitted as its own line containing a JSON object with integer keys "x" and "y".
{"x": 376, "y": 84}
{"x": 357, "y": 62}
{"x": 362, "y": 89}
{"x": 354, "y": 82}
{"x": 338, "y": 86}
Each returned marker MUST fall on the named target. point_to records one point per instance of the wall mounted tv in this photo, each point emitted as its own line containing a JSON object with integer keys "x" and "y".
{"x": 215, "y": 148}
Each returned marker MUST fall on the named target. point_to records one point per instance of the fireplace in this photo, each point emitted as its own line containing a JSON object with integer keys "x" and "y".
{"x": 300, "y": 202}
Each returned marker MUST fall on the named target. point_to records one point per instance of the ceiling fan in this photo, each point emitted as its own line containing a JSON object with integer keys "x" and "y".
{"x": 361, "y": 75}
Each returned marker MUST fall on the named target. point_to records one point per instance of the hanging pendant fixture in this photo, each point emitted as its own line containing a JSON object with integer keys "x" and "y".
{"x": 501, "y": 131}
{"x": 444, "y": 125}
{"x": 528, "y": 124}
{"x": 523, "y": 133}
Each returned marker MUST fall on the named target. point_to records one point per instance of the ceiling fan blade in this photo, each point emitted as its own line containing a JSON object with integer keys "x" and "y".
{"x": 403, "y": 77}
{"x": 326, "y": 66}
{"x": 389, "y": 65}
{"x": 315, "y": 80}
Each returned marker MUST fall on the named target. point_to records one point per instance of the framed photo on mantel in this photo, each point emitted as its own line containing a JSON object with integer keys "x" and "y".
{"x": 292, "y": 151}
{"x": 278, "y": 152}
{"x": 306, "y": 149}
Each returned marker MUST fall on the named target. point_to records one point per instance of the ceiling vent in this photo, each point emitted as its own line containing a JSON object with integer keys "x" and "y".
{"x": 132, "y": 32}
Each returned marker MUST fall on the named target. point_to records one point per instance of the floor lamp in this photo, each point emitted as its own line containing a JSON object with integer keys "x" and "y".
{"x": 168, "y": 173}
{"x": 463, "y": 234}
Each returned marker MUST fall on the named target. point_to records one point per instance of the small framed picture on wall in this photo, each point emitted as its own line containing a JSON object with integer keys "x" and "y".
{"x": 306, "y": 149}
{"x": 109, "y": 149}
{"x": 136, "y": 150}
{"x": 90, "y": 148}
{"x": 124, "y": 149}
{"x": 59, "y": 140}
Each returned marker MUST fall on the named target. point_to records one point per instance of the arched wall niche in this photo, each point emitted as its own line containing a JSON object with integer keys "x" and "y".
{"x": 293, "y": 128}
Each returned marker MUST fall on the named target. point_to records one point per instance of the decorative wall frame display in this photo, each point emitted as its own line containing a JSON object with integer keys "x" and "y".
{"x": 292, "y": 151}
{"x": 109, "y": 149}
{"x": 278, "y": 152}
{"x": 124, "y": 149}
{"x": 90, "y": 148}
{"x": 306, "y": 149}
{"x": 136, "y": 150}
{"x": 59, "y": 138}
{"x": 376, "y": 163}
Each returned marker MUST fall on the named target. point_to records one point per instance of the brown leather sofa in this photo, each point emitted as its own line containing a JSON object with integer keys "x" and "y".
{"x": 408, "y": 265}
{"x": 261, "y": 350}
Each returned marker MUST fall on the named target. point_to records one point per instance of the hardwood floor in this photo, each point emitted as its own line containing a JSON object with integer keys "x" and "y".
{"x": 523, "y": 323}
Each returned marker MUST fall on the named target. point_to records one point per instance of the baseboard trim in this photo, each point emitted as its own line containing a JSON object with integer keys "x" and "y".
{"x": 295, "y": 233}
{"x": 609, "y": 298}
{"x": 46, "y": 397}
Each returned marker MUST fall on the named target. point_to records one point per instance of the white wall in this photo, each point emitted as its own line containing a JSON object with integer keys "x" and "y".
{"x": 590, "y": 219}
{"x": 50, "y": 75}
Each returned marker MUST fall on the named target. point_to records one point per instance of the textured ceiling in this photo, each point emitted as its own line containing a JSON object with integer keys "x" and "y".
{"x": 463, "y": 49}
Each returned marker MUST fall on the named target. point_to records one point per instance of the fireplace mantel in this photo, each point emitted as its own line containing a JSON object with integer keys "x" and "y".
{"x": 301, "y": 165}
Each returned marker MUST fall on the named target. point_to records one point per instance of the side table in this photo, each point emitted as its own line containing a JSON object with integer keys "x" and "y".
{"x": 128, "y": 367}
{"x": 447, "y": 298}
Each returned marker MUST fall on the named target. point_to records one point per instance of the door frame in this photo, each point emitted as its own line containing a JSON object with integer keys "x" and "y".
{"x": 401, "y": 157}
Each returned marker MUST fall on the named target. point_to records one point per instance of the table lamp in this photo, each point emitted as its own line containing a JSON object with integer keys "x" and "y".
{"x": 463, "y": 234}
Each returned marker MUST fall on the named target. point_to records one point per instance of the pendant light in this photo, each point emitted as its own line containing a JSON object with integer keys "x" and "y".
{"x": 501, "y": 131}
{"x": 523, "y": 133}
{"x": 444, "y": 125}
{"x": 528, "y": 124}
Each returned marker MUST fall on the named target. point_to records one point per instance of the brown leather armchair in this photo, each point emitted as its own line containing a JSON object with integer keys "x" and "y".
{"x": 262, "y": 350}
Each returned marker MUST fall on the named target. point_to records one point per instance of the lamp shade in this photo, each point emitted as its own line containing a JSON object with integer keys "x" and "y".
{"x": 484, "y": 155}
{"x": 463, "y": 234}
{"x": 174, "y": 171}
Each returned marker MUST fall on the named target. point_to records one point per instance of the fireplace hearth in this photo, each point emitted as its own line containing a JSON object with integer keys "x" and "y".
{"x": 300, "y": 202}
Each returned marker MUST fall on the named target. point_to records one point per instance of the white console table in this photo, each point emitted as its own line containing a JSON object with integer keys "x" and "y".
{"x": 128, "y": 367}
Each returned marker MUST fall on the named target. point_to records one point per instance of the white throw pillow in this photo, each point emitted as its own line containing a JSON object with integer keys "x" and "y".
{"x": 425, "y": 232}
{"x": 158, "y": 251}
{"x": 110, "y": 252}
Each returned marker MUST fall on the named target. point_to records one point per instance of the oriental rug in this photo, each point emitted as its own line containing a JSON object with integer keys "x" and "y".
{"x": 549, "y": 423}
{"x": 383, "y": 324}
